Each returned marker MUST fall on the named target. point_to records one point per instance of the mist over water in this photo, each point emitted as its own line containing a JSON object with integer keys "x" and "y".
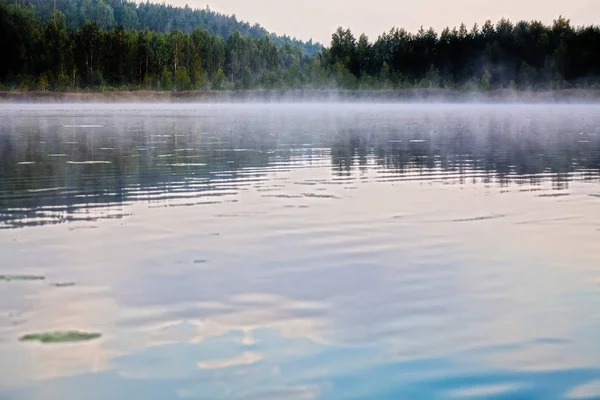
{"x": 307, "y": 250}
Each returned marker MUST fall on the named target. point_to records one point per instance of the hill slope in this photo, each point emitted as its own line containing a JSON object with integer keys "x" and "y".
{"x": 157, "y": 17}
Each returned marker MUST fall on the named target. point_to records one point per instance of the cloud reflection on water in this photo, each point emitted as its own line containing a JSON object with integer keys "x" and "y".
{"x": 430, "y": 267}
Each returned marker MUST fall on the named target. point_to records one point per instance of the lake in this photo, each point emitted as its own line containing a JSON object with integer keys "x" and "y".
{"x": 300, "y": 251}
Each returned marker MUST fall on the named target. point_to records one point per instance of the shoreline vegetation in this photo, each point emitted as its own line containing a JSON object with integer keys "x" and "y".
{"x": 60, "y": 337}
{"x": 112, "y": 48}
{"x": 306, "y": 95}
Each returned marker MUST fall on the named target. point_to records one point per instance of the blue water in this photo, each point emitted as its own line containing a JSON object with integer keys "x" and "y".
{"x": 301, "y": 251}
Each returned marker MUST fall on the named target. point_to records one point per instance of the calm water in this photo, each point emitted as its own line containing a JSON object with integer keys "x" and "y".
{"x": 301, "y": 251}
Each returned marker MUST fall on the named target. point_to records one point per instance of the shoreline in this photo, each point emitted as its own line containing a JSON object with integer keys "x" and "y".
{"x": 307, "y": 95}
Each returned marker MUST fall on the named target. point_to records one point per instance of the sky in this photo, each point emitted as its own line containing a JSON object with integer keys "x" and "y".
{"x": 318, "y": 19}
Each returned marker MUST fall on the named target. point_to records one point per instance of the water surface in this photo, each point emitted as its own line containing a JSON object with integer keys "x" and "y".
{"x": 305, "y": 251}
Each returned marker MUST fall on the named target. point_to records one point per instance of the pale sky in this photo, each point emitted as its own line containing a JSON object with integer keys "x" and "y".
{"x": 318, "y": 19}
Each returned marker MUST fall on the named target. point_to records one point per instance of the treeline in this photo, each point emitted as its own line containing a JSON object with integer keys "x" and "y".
{"x": 46, "y": 52}
{"x": 526, "y": 55}
{"x": 48, "y": 56}
{"x": 110, "y": 14}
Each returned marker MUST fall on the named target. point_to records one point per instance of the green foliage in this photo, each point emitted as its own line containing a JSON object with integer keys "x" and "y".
{"x": 219, "y": 81}
{"x": 246, "y": 82}
{"x": 526, "y": 76}
{"x": 488, "y": 57}
{"x": 43, "y": 84}
{"x": 166, "y": 79}
{"x": 156, "y": 17}
{"x": 384, "y": 72}
{"x": 104, "y": 44}
{"x": 182, "y": 79}
{"x": 148, "y": 82}
{"x": 198, "y": 75}
{"x": 270, "y": 80}
{"x": 293, "y": 77}
{"x": 470, "y": 86}
{"x": 27, "y": 82}
{"x": 432, "y": 79}
{"x": 486, "y": 80}
{"x": 200, "y": 80}
{"x": 368, "y": 83}
{"x": 60, "y": 337}
{"x": 62, "y": 83}
{"x": 316, "y": 75}
{"x": 344, "y": 78}
{"x": 52, "y": 57}
{"x": 343, "y": 51}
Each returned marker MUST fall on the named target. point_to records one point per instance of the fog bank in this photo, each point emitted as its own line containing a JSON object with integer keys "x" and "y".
{"x": 405, "y": 95}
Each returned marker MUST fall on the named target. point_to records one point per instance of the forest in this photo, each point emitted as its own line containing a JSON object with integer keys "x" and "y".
{"x": 156, "y": 17}
{"x": 118, "y": 45}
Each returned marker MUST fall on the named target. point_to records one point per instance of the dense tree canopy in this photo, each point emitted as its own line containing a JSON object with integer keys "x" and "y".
{"x": 117, "y": 44}
{"x": 525, "y": 55}
{"x": 48, "y": 55}
{"x": 155, "y": 17}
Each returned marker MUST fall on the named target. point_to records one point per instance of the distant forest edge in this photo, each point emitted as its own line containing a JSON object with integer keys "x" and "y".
{"x": 156, "y": 17}
{"x": 277, "y": 96}
{"x": 115, "y": 45}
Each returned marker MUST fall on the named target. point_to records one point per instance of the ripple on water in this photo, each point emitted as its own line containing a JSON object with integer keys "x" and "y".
{"x": 456, "y": 259}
